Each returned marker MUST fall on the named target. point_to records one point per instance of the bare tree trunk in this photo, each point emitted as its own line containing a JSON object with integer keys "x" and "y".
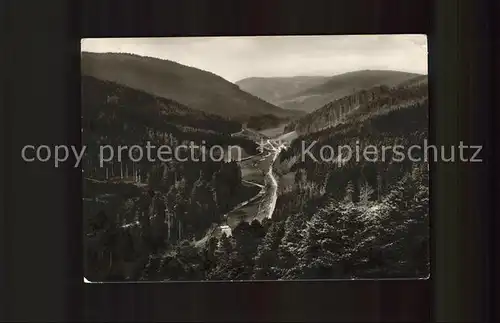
{"x": 168, "y": 225}
{"x": 180, "y": 230}
{"x": 379, "y": 187}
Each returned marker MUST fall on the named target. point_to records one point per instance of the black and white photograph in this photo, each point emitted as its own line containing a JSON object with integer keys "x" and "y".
{"x": 263, "y": 158}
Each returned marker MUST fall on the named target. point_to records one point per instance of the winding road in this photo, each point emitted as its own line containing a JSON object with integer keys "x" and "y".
{"x": 264, "y": 202}
{"x": 261, "y": 205}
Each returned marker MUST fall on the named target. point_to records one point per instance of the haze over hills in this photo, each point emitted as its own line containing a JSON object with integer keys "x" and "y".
{"x": 311, "y": 93}
{"x": 189, "y": 86}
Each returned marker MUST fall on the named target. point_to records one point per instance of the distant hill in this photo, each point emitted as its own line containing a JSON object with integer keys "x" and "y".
{"x": 361, "y": 104}
{"x": 100, "y": 98}
{"x": 275, "y": 89}
{"x": 115, "y": 114}
{"x": 262, "y": 122}
{"x": 189, "y": 86}
{"x": 311, "y": 93}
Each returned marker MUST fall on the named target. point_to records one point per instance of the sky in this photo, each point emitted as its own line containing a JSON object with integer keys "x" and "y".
{"x": 236, "y": 58}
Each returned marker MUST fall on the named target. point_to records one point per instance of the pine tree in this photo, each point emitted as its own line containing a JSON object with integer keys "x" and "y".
{"x": 349, "y": 192}
{"x": 224, "y": 257}
{"x": 290, "y": 248}
{"x": 266, "y": 259}
{"x": 365, "y": 193}
{"x": 318, "y": 258}
{"x": 379, "y": 187}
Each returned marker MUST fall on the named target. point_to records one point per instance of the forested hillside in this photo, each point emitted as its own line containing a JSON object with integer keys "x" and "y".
{"x": 265, "y": 121}
{"x": 132, "y": 209}
{"x": 276, "y": 89}
{"x": 362, "y": 218}
{"x": 311, "y": 93}
{"x": 362, "y": 103}
{"x": 354, "y": 219}
{"x": 198, "y": 89}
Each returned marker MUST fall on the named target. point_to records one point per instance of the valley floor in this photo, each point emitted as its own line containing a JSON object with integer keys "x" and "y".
{"x": 258, "y": 171}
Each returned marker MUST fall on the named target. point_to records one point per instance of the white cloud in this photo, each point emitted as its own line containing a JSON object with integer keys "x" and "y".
{"x": 235, "y": 58}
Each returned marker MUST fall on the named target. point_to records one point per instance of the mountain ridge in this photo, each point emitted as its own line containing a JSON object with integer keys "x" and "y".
{"x": 364, "y": 101}
{"x": 190, "y": 86}
{"x": 316, "y": 91}
{"x": 273, "y": 89}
